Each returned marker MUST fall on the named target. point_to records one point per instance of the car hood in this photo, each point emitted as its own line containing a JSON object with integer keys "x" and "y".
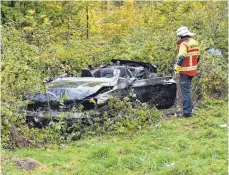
{"x": 72, "y": 88}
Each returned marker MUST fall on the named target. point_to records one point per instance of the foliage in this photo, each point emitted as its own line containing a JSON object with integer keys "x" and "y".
{"x": 115, "y": 117}
{"x": 196, "y": 145}
{"x": 213, "y": 76}
{"x": 43, "y": 39}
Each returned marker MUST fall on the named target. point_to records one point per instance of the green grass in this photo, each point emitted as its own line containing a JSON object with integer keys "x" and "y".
{"x": 176, "y": 146}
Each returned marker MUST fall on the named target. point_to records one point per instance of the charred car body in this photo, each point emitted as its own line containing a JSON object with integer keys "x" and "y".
{"x": 95, "y": 87}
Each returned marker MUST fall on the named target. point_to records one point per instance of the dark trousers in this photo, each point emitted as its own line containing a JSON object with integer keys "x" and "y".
{"x": 185, "y": 85}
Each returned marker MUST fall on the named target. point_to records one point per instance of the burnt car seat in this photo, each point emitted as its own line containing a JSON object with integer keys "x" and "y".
{"x": 122, "y": 70}
{"x": 107, "y": 72}
{"x": 86, "y": 73}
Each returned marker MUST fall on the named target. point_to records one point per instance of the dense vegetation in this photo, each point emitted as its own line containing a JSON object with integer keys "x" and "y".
{"x": 171, "y": 147}
{"x": 44, "y": 39}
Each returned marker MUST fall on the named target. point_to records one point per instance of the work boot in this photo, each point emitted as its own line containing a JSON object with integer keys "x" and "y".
{"x": 187, "y": 115}
{"x": 180, "y": 115}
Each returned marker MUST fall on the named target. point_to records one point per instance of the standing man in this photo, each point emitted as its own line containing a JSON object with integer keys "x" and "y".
{"x": 186, "y": 66}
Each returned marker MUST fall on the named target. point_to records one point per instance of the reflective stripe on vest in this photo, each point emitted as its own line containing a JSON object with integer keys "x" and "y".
{"x": 192, "y": 53}
{"x": 190, "y": 61}
{"x": 188, "y": 68}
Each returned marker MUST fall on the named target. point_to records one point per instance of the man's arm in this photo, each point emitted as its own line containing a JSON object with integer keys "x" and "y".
{"x": 182, "y": 53}
{"x": 180, "y": 60}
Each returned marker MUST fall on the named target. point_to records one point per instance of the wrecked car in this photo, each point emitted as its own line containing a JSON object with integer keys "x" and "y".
{"x": 95, "y": 87}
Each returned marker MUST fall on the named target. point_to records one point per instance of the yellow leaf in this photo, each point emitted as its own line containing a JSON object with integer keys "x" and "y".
{"x": 46, "y": 20}
{"x": 32, "y": 12}
{"x": 55, "y": 4}
{"x": 28, "y": 28}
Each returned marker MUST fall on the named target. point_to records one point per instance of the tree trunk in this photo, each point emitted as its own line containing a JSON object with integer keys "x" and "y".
{"x": 12, "y": 4}
{"x": 68, "y": 32}
{"x": 108, "y": 5}
{"x": 87, "y": 21}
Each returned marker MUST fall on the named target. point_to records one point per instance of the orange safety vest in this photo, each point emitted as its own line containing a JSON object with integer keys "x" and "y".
{"x": 189, "y": 65}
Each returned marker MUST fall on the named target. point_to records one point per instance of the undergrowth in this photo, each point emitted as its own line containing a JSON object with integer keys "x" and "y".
{"x": 196, "y": 145}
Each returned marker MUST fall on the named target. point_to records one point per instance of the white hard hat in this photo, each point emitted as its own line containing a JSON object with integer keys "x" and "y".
{"x": 183, "y": 31}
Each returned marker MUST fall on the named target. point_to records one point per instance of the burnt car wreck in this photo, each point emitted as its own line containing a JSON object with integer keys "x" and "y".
{"x": 95, "y": 87}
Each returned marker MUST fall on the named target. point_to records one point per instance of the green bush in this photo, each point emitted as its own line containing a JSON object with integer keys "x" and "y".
{"x": 213, "y": 76}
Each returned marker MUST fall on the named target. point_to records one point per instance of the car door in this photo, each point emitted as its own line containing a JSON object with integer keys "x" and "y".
{"x": 158, "y": 91}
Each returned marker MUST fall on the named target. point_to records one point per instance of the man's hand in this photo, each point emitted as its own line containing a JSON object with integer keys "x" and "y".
{"x": 177, "y": 68}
